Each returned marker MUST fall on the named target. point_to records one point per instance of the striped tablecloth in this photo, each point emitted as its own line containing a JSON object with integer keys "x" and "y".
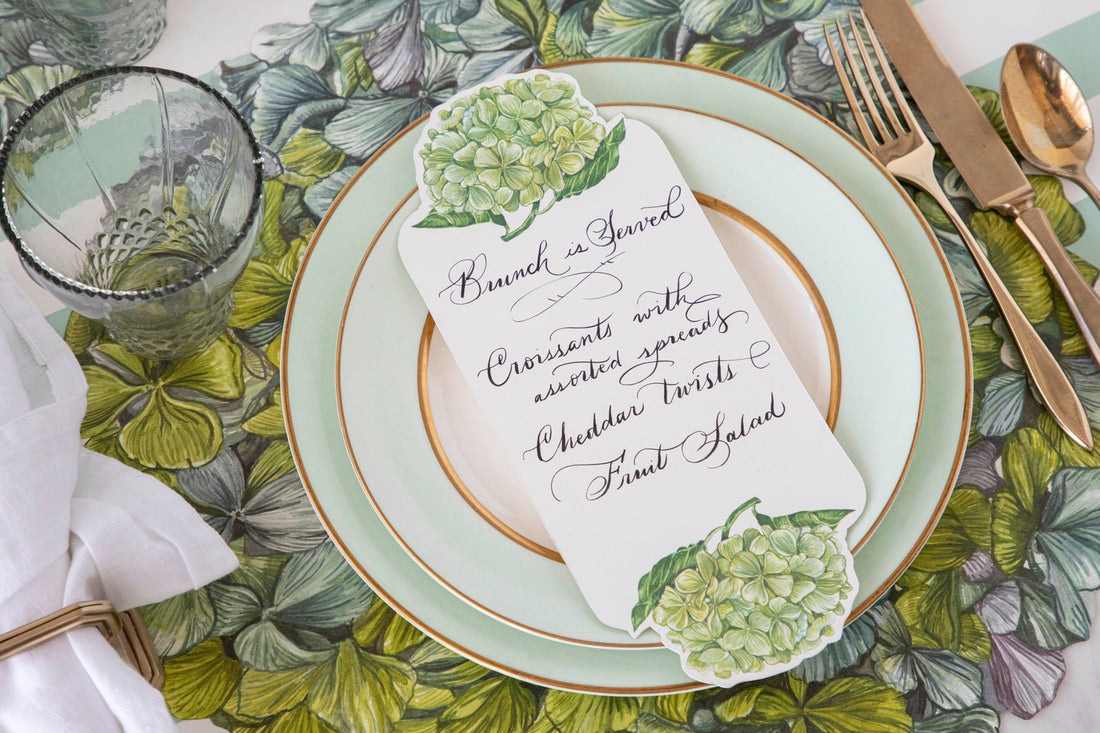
{"x": 975, "y": 638}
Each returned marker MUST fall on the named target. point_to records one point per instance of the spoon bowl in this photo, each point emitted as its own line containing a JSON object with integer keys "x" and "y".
{"x": 1047, "y": 116}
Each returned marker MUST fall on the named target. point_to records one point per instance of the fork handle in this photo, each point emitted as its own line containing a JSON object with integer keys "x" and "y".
{"x": 1050, "y": 381}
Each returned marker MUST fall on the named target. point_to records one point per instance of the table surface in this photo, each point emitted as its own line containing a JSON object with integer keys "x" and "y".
{"x": 973, "y": 36}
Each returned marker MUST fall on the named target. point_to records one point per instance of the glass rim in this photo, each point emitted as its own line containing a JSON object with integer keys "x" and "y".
{"x": 28, "y": 256}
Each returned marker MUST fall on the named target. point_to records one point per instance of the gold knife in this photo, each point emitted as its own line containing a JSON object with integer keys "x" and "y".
{"x": 978, "y": 152}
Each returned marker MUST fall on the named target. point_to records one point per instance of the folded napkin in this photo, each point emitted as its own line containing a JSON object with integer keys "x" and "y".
{"x": 78, "y": 526}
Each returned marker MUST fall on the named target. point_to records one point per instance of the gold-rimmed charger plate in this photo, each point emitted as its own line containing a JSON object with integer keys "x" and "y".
{"x": 831, "y": 241}
{"x": 310, "y": 339}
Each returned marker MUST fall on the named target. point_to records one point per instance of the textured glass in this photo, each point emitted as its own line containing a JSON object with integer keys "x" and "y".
{"x": 133, "y": 196}
{"x": 93, "y": 33}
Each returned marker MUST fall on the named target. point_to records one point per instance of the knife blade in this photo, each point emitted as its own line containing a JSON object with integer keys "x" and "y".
{"x": 978, "y": 152}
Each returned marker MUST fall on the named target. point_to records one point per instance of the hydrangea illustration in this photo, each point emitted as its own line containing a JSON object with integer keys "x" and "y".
{"x": 736, "y": 605}
{"x": 523, "y": 143}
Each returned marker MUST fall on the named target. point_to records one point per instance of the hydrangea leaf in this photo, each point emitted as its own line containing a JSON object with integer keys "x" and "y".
{"x": 343, "y": 16}
{"x": 258, "y": 573}
{"x": 286, "y": 97}
{"x": 566, "y": 36}
{"x": 275, "y": 461}
{"x": 298, "y": 720}
{"x": 309, "y": 154}
{"x": 178, "y": 623}
{"x": 1028, "y": 463}
{"x": 319, "y": 589}
{"x": 81, "y": 332}
{"x": 299, "y": 44}
{"x": 675, "y": 708}
{"x": 215, "y": 371}
{"x": 1016, "y": 262}
{"x": 858, "y": 703}
{"x": 430, "y": 698}
{"x": 362, "y": 692}
{"x": 500, "y": 704}
{"x": 932, "y": 613}
{"x": 792, "y": 9}
{"x": 489, "y": 31}
{"x": 262, "y": 693}
{"x": 171, "y": 433}
{"x": 963, "y": 528}
{"x": 715, "y": 55}
{"x": 758, "y": 704}
{"x": 197, "y": 683}
{"x": 29, "y": 83}
{"x": 1040, "y": 623}
{"x": 400, "y": 635}
{"x": 263, "y": 646}
{"x": 634, "y": 28}
{"x": 354, "y": 72}
{"x": 1066, "y": 220}
{"x": 572, "y": 712}
{"x": 723, "y": 20}
{"x": 235, "y": 606}
{"x": 531, "y": 16}
{"x": 108, "y": 395}
{"x": 977, "y": 720}
{"x": 269, "y": 421}
{"x": 438, "y": 666}
{"x": 985, "y": 346}
{"x": 366, "y": 123}
{"x": 766, "y": 64}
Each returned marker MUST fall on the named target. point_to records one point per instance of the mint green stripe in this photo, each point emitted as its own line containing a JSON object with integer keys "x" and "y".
{"x": 59, "y": 319}
{"x": 1076, "y": 46}
{"x": 1088, "y": 246}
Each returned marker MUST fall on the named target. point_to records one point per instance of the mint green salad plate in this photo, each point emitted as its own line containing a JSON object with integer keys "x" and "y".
{"x": 316, "y": 433}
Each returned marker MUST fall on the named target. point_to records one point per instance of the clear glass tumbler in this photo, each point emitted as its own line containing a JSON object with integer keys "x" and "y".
{"x": 134, "y": 195}
{"x": 93, "y": 33}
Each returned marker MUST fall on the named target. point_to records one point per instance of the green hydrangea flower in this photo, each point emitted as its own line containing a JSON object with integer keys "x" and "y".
{"x": 757, "y": 599}
{"x": 520, "y": 143}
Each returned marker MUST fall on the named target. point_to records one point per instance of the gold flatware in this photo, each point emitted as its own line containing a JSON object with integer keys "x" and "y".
{"x": 908, "y": 155}
{"x": 1047, "y": 115}
{"x": 978, "y": 152}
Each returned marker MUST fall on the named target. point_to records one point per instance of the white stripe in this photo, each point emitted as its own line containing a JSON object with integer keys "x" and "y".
{"x": 972, "y": 33}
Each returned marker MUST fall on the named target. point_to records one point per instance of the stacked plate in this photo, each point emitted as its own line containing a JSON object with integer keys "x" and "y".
{"x": 400, "y": 463}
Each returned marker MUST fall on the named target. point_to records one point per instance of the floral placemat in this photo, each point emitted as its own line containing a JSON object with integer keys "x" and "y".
{"x": 293, "y": 641}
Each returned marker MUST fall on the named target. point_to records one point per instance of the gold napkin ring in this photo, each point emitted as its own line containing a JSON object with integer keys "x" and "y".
{"x": 125, "y": 632}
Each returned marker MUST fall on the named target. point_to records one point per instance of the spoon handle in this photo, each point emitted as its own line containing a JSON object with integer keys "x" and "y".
{"x": 1088, "y": 186}
{"x": 1050, "y": 381}
{"x": 1082, "y": 300}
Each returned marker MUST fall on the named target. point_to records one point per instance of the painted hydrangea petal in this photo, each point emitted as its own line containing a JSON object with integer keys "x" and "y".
{"x": 283, "y": 91}
{"x": 361, "y": 692}
{"x": 634, "y": 28}
{"x": 395, "y": 52}
{"x": 572, "y": 712}
{"x": 108, "y": 395}
{"x": 261, "y": 693}
{"x": 171, "y": 433}
{"x": 261, "y": 292}
{"x": 218, "y": 485}
{"x": 263, "y": 646}
{"x": 1025, "y": 680}
{"x": 349, "y": 16}
{"x": 178, "y": 623}
{"x": 300, "y": 44}
{"x": 1016, "y": 262}
{"x": 497, "y": 704}
{"x": 488, "y": 31}
{"x": 281, "y": 518}
{"x": 199, "y": 682}
{"x": 320, "y": 589}
{"x": 367, "y": 123}
{"x": 215, "y": 371}
{"x": 235, "y": 606}
{"x": 858, "y": 703}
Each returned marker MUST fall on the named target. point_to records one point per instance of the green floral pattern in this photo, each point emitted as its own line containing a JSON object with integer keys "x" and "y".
{"x": 293, "y": 641}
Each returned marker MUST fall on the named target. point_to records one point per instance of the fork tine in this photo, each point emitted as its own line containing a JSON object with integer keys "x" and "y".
{"x": 903, "y": 105}
{"x": 849, "y": 93}
{"x": 858, "y": 74}
{"x": 884, "y": 65}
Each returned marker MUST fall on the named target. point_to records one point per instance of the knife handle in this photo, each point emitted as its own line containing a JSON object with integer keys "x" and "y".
{"x": 1082, "y": 300}
{"x": 1050, "y": 380}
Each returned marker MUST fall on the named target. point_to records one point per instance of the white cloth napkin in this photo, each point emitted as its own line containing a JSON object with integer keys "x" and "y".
{"x": 78, "y": 526}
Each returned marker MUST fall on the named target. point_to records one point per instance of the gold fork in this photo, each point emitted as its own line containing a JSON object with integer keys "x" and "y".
{"x": 908, "y": 155}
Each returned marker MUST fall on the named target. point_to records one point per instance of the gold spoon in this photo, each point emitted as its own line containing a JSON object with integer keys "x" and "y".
{"x": 1047, "y": 116}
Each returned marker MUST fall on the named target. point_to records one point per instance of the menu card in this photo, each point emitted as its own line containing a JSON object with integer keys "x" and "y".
{"x": 683, "y": 472}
